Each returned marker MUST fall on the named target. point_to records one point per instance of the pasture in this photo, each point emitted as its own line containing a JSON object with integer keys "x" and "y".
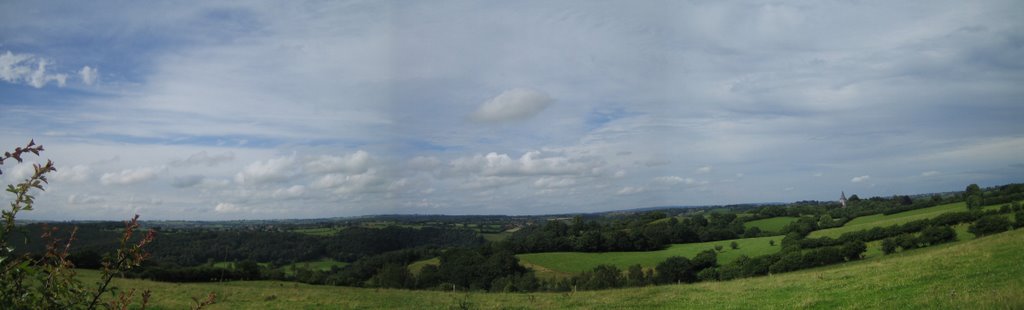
{"x": 958, "y": 275}
{"x": 772, "y": 224}
{"x": 575, "y": 262}
{"x": 881, "y": 220}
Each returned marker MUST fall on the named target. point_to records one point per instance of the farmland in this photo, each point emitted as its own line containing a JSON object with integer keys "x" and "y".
{"x": 773, "y": 224}
{"x": 574, "y": 262}
{"x": 955, "y": 275}
{"x": 881, "y": 220}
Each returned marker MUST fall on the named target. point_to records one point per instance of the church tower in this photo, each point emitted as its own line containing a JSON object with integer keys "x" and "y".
{"x": 842, "y": 199}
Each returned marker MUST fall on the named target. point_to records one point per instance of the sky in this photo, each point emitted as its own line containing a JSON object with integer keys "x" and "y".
{"x": 210, "y": 110}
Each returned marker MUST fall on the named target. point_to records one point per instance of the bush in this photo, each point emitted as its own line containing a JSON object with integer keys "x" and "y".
{"x": 675, "y": 269}
{"x": 889, "y": 246}
{"x": 989, "y": 224}
{"x": 47, "y": 280}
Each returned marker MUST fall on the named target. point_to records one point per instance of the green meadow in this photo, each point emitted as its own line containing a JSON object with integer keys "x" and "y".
{"x": 575, "y": 262}
{"x": 881, "y": 220}
{"x": 772, "y": 224}
{"x": 985, "y": 273}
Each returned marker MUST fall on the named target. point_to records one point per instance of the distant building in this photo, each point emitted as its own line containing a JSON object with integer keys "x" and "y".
{"x": 842, "y": 199}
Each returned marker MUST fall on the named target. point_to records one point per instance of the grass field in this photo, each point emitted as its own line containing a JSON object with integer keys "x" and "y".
{"x": 772, "y": 224}
{"x": 575, "y": 262}
{"x": 881, "y": 220}
{"x": 415, "y": 267}
{"x": 985, "y": 273}
{"x": 322, "y": 264}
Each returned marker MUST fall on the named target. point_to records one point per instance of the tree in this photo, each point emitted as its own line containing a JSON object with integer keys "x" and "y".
{"x": 708, "y": 274}
{"x": 973, "y": 202}
{"x": 972, "y": 190}
{"x": 933, "y": 235}
{"x": 675, "y": 269}
{"x": 635, "y": 276}
{"x": 734, "y": 245}
{"x": 393, "y": 275}
{"x": 852, "y": 250}
{"x": 771, "y": 242}
{"x": 704, "y": 260}
{"x": 825, "y": 221}
{"x": 989, "y": 224}
{"x": 889, "y": 246}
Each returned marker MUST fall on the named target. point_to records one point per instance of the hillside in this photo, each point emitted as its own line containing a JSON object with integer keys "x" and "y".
{"x": 984, "y": 273}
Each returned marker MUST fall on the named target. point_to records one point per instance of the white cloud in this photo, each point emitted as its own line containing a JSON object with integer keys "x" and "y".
{"x": 187, "y": 181}
{"x": 669, "y": 180}
{"x": 345, "y": 184}
{"x": 18, "y": 68}
{"x": 704, "y": 169}
{"x": 268, "y": 171}
{"x": 860, "y": 179}
{"x": 89, "y": 75}
{"x": 530, "y": 163}
{"x": 355, "y": 163}
{"x": 225, "y": 207}
{"x": 202, "y": 158}
{"x": 513, "y": 104}
{"x": 74, "y": 174}
{"x": 554, "y": 182}
{"x": 629, "y": 190}
{"x": 929, "y": 173}
{"x": 79, "y": 199}
{"x": 131, "y": 176}
{"x": 291, "y": 192}
{"x": 620, "y": 174}
{"x": 673, "y": 180}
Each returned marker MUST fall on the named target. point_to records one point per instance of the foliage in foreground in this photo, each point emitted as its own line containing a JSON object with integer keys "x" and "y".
{"x": 47, "y": 280}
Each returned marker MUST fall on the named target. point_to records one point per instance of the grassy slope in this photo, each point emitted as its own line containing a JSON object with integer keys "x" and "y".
{"x": 322, "y": 264}
{"x": 880, "y": 220}
{"x": 773, "y": 224}
{"x": 985, "y": 273}
{"x": 415, "y": 267}
{"x": 574, "y": 262}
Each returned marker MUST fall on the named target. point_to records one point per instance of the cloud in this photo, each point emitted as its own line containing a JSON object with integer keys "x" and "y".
{"x": 89, "y": 75}
{"x": 80, "y": 199}
{"x": 554, "y": 182}
{"x": 74, "y": 174}
{"x": 530, "y": 163}
{"x": 704, "y": 169}
{"x": 511, "y": 105}
{"x": 18, "y": 68}
{"x": 619, "y": 174}
{"x": 929, "y": 173}
{"x": 187, "y": 181}
{"x": 204, "y": 159}
{"x": 355, "y": 163}
{"x": 225, "y": 207}
{"x": 424, "y": 163}
{"x": 629, "y": 190}
{"x": 669, "y": 180}
{"x": 673, "y": 180}
{"x": 268, "y": 171}
{"x": 860, "y": 179}
{"x": 294, "y": 191}
{"x": 344, "y": 184}
{"x": 131, "y": 176}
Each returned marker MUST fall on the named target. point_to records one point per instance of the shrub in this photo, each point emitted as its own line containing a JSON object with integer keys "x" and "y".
{"x": 47, "y": 280}
{"x": 989, "y": 224}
